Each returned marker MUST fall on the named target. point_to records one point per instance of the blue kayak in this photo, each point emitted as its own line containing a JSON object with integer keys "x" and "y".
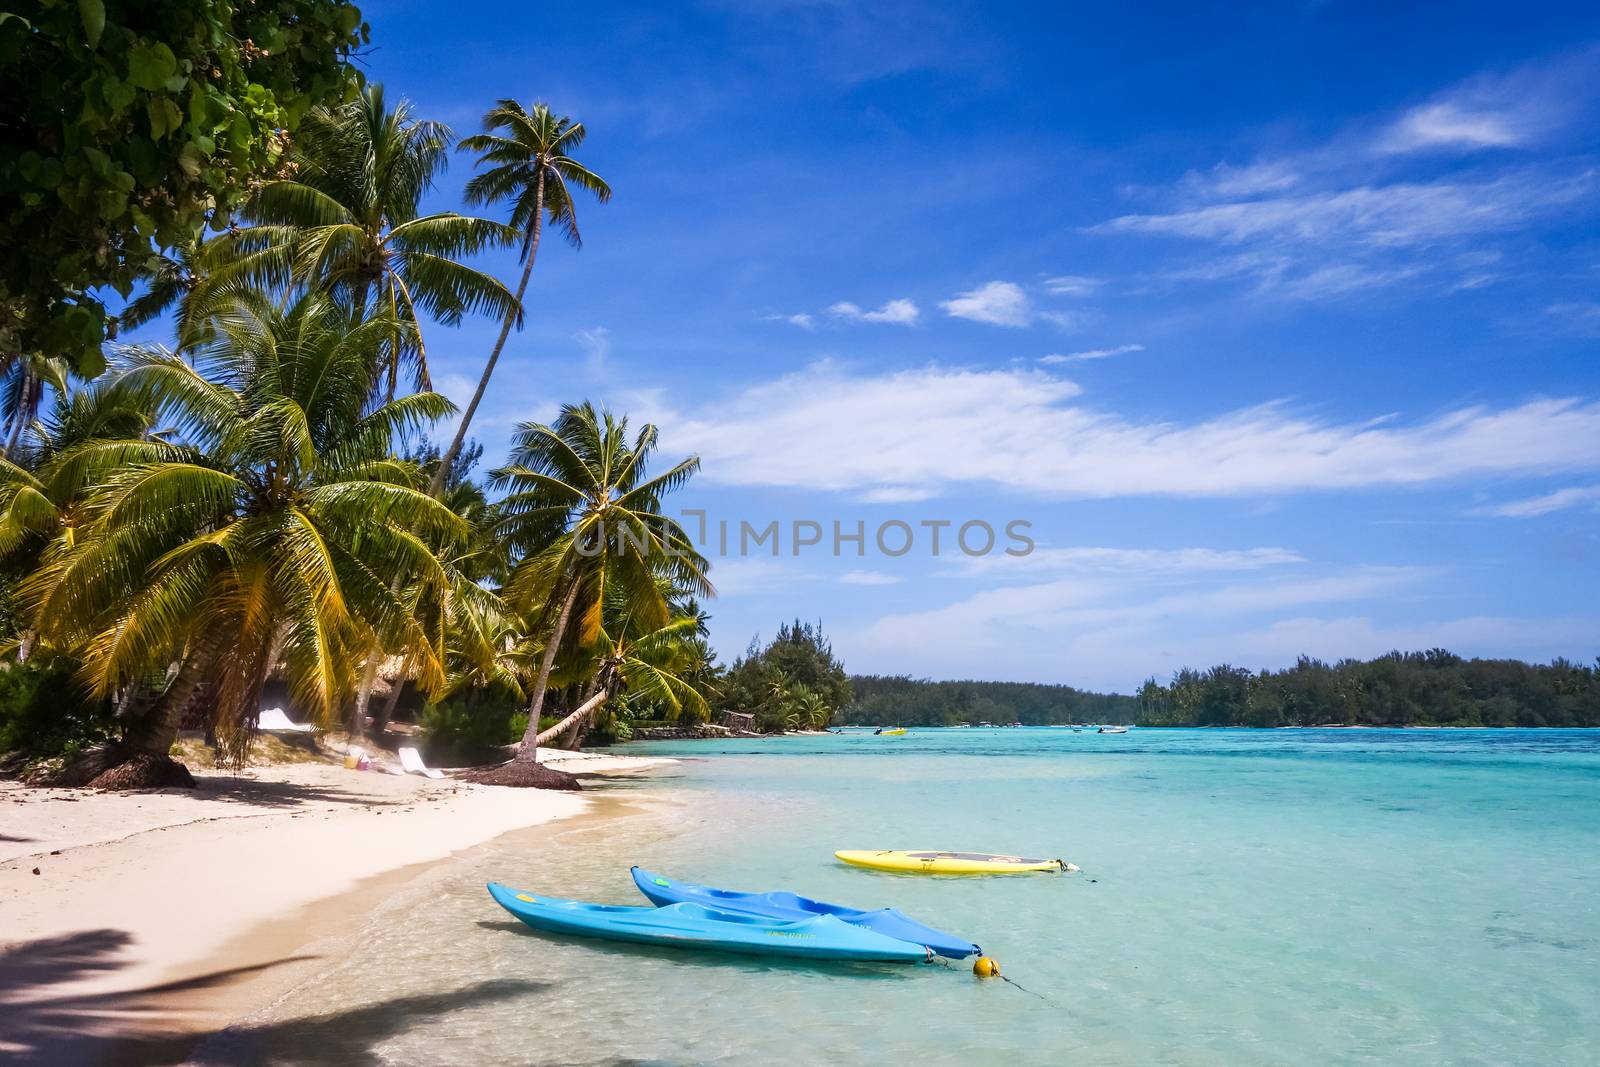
{"x": 817, "y": 937}
{"x": 886, "y": 921}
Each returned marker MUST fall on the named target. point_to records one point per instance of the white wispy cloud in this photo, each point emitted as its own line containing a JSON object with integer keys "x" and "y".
{"x": 1112, "y": 631}
{"x": 997, "y": 303}
{"x": 1533, "y": 507}
{"x": 1097, "y": 560}
{"x": 1072, "y": 285}
{"x": 755, "y": 575}
{"x": 1330, "y": 219}
{"x": 1579, "y": 316}
{"x": 596, "y": 347}
{"x": 930, "y": 428}
{"x": 1227, "y": 181}
{"x": 1451, "y": 123}
{"x": 1090, "y": 354}
{"x": 865, "y": 577}
{"x": 1498, "y": 110}
{"x": 901, "y": 312}
{"x": 1393, "y": 215}
{"x": 896, "y": 494}
{"x": 801, "y": 319}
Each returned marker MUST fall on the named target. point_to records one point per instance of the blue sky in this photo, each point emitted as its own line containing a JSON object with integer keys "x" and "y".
{"x": 1278, "y": 322}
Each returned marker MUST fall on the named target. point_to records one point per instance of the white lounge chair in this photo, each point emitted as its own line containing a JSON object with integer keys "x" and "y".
{"x": 411, "y": 760}
{"x": 275, "y": 719}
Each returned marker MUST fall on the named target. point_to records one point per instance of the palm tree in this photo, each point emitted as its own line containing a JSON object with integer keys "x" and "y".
{"x": 277, "y": 535}
{"x": 89, "y": 434}
{"x": 529, "y": 166}
{"x": 587, "y": 525}
{"x": 649, "y": 667}
{"x": 22, "y": 389}
{"x": 348, "y": 222}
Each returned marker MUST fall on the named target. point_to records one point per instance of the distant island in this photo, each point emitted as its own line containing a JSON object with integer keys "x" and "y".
{"x": 1432, "y": 688}
{"x": 898, "y": 700}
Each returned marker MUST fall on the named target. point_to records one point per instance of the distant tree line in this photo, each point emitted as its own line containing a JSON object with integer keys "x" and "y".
{"x": 899, "y": 700}
{"x": 1432, "y": 688}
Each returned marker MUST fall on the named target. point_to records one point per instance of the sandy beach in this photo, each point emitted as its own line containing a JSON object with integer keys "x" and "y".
{"x": 131, "y": 922}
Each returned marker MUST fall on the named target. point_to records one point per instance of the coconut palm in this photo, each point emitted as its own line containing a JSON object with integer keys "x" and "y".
{"x": 23, "y": 380}
{"x": 585, "y": 521}
{"x": 647, "y": 667}
{"x": 89, "y": 434}
{"x": 347, "y": 222}
{"x": 278, "y": 536}
{"x": 529, "y": 168}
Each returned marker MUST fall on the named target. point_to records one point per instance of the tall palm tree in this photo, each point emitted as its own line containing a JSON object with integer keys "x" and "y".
{"x": 586, "y": 521}
{"x": 348, "y": 222}
{"x": 530, "y": 167}
{"x": 277, "y": 535}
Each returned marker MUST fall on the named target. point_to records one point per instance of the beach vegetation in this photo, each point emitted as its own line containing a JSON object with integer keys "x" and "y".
{"x": 582, "y": 514}
{"x": 1429, "y": 688}
{"x": 525, "y": 161}
{"x": 794, "y": 682}
{"x": 899, "y": 700}
{"x": 132, "y": 128}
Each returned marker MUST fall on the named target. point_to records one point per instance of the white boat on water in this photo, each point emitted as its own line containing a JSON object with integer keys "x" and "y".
{"x": 1113, "y": 730}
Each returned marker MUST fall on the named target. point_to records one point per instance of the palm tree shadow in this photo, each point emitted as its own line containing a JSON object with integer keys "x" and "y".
{"x": 139, "y": 1026}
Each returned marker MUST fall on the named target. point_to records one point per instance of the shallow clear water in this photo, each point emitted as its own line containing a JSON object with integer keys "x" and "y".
{"x": 1247, "y": 897}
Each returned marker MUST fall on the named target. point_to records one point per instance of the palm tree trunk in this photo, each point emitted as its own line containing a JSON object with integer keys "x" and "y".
{"x": 381, "y": 722}
{"x": 454, "y": 450}
{"x": 369, "y": 676}
{"x": 154, "y": 732}
{"x": 574, "y": 721}
{"x": 529, "y": 751}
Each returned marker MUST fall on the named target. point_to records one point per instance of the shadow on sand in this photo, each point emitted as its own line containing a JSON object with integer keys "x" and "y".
{"x": 45, "y": 1025}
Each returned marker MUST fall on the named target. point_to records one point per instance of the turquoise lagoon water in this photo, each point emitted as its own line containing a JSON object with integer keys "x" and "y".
{"x": 1246, "y": 897}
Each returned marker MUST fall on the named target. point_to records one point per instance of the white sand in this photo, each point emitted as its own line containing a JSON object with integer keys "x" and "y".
{"x": 138, "y": 889}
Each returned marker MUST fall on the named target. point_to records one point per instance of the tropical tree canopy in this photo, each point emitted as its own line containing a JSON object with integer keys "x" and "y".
{"x": 347, "y": 222}
{"x": 529, "y": 166}
{"x": 277, "y": 530}
{"x": 128, "y": 128}
{"x": 584, "y": 518}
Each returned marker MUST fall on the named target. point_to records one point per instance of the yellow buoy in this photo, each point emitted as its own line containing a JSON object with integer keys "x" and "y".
{"x": 984, "y": 967}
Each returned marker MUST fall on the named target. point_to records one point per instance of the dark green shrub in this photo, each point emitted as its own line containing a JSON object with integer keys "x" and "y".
{"x": 45, "y": 711}
{"x": 459, "y": 729}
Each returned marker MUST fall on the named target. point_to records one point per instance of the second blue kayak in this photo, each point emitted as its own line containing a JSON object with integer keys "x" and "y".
{"x": 693, "y": 926}
{"x": 660, "y": 889}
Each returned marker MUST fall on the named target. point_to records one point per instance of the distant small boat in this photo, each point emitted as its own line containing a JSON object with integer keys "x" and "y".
{"x": 1113, "y": 730}
{"x": 694, "y": 926}
{"x": 898, "y": 731}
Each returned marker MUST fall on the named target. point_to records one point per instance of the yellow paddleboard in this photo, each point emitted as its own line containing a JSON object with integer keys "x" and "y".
{"x": 931, "y": 862}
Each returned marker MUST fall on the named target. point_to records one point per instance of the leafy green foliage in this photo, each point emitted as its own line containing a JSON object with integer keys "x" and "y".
{"x": 470, "y": 728}
{"x": 344, "y": 219}
{"x": 896, "y": 700}
{"x": 793, "y": 683}
{"x": 45, "y": 711}
{"x": 280, "y": 529}
{"x": 128, "y": 126}
{"x": 1433, "y": 688}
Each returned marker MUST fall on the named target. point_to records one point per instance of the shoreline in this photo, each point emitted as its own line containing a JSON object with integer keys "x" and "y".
{"x": 156, "y": 919}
